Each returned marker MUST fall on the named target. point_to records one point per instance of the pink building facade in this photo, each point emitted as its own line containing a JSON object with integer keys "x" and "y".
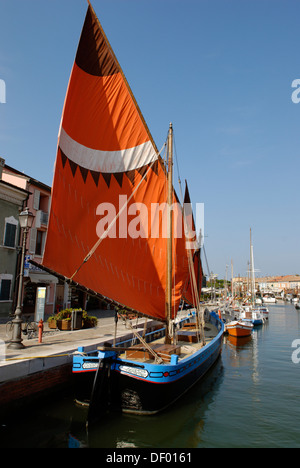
{"x": 38, "y": 203}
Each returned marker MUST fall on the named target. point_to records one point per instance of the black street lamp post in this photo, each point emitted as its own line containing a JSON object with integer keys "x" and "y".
{"x": 26, "y": 220}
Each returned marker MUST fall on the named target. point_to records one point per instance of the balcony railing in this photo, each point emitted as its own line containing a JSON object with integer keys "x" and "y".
{"x": 41, "y": 219}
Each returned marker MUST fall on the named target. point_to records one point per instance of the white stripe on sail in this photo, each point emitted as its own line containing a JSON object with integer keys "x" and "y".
{"x": 107, "y": 161}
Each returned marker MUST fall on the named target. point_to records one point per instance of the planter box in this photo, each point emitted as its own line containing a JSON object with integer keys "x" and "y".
{"x": 52, "y": 324}
{"x": 63, "y": 324}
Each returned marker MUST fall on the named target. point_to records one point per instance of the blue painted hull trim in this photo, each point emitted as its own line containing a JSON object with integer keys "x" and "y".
{"x": 142, "y": 388}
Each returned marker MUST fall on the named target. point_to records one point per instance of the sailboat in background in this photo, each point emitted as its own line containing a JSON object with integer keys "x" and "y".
{"x": 239, "y": 328}
{"x": 252, "y": 313}
{"x": 234, "y": 325}
{"x": 109, "y": 177}
{"x": 246, "y": 317}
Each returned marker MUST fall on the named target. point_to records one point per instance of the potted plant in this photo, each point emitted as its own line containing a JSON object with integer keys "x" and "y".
{"x": 88, "y": 320}
{"x": 64, "y": 324}
{"x": 63, "y": 319}
{"x": 52, "y": 322}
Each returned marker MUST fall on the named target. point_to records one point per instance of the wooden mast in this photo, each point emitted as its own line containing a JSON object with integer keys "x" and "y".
{"x": 252, "y": 273}
{"x": 168, "y": 309}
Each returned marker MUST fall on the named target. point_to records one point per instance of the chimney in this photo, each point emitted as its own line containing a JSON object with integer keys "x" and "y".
{"x": 2, "y": 164}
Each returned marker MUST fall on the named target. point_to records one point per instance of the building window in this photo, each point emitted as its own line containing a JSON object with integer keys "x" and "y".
{"x": 10, "y": 232}
{"x": 10, "y": 235}
{"x": 5, "y": 286}
{"x": 37, "y": 242}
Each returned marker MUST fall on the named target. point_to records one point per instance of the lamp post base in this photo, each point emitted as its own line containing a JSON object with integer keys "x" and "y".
{"x": 15, "y": 345}
{"x": 16, "y": 341}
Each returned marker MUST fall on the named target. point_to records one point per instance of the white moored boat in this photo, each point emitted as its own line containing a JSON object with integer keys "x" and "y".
{"x": 269, "y": 298}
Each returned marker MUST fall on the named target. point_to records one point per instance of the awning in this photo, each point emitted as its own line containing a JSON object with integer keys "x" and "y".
{"x": 40, "y": 277}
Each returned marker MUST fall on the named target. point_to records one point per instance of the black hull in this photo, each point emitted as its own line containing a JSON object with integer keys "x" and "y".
{"x": 123, "y": 393}
{"x": 136, "y": 396}
{"x": 106, "y": 382}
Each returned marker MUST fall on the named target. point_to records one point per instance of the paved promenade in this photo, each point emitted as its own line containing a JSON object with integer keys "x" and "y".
{"x": 41, "y": 367}
{"x": 57, "y": 347}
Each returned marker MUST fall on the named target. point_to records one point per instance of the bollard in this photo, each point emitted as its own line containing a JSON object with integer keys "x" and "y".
{"x": 41, "y": 328}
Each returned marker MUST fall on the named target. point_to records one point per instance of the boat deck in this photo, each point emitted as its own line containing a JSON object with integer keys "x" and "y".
{"x": 187, "y": 344}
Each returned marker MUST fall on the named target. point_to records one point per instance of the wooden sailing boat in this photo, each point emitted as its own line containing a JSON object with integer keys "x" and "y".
{"x": 251, "y": 313}
{"x": 239, "y": 328}
{"x": 108, "y": 164}
{"x": 234, "y": 325}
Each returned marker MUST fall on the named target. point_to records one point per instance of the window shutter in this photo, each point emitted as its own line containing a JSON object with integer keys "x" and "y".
{"x": 36, "y": 200}
{"x": 43, "y": 242}
{"x": 10, "y": 235}
{"x": 32, "y": 242}
{"x": 5, "y": 290}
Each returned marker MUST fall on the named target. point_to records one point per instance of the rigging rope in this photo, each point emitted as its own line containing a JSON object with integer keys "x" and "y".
{"x": 194, "y": 287}
{"x": 157, "y": 358}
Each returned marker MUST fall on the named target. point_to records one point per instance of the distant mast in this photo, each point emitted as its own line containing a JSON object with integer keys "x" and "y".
{"x": 252, "y": 275}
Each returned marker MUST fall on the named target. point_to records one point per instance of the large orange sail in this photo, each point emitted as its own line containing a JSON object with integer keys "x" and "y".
{"x": 108, "y": 173}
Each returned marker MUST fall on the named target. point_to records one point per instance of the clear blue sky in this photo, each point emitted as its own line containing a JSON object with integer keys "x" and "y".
{"x": 220, "y": 70}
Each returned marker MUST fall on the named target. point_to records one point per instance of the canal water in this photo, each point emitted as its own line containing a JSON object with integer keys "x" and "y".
{"x": 251, "y": 398}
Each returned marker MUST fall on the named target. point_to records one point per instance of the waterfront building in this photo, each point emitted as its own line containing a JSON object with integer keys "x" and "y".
{"x": 12, "y": 200}
{"x": 38, "y": 202}
{"x": 279, "y": 285}
{"x": 58, "y": 294}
